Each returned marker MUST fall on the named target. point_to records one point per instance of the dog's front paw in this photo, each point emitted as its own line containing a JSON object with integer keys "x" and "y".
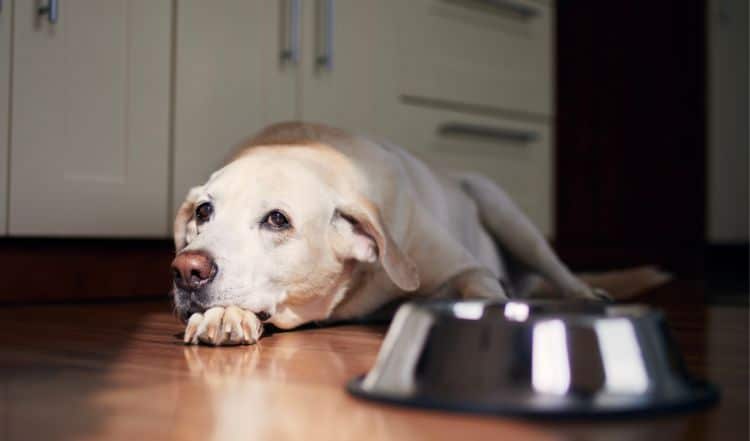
{"x": 223, "y": 326}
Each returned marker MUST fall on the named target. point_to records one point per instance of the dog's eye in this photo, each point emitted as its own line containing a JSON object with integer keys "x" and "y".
{"x": 204, "y": 211}
{"x": 276, "y": 220}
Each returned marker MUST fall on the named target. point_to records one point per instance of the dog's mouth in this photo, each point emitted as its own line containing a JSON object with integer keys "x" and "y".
{"x": 188, "y": 303}
{"x": 192, "y": 308}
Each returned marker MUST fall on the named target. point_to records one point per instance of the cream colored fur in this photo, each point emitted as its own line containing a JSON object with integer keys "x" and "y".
{"x": 370, "y": 224}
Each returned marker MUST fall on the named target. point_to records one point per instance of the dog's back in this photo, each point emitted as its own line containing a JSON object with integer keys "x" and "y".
{"x": 471, "y": 208}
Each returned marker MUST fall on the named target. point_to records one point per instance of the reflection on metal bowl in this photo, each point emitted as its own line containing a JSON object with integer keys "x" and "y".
{"x": 544, "y": 358}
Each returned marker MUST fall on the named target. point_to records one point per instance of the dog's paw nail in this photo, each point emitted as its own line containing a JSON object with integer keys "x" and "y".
{"x": 252, "y": 327}
{"x": 209, "y": 328}
{"x": 192, "y": 327}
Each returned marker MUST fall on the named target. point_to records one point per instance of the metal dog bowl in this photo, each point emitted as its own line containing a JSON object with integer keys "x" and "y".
{"x": 554, "y": 359}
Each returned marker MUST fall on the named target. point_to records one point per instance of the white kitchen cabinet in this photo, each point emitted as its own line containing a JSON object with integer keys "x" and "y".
{"x": 348, "y": 64}
{"x": 90, "y": 119}
{"x": 6, "y": 13}
{"x": 120, "y": 106}
{"x": 392, "y": 69}
{"x": 231, "y": 80}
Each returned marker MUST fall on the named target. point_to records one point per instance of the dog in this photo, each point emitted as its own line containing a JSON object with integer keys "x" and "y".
{"x": 309, "y": 223}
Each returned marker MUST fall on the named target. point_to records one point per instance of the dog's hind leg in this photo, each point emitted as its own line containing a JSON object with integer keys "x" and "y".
{"x": 519, "y": 236}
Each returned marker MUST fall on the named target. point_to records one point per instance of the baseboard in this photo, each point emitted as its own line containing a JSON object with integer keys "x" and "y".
{"x": 49, "y": 270}
{"x": 727, "y": 267}
{"x": 52, "y": 270}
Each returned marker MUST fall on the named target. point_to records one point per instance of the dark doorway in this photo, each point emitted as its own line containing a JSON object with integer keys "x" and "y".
{"x": 631, "y": 134}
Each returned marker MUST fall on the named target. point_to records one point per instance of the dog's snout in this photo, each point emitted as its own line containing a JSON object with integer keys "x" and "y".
{"x": 193, "y": 269}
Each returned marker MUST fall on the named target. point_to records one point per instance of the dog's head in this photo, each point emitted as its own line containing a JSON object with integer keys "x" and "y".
{"x": 279, "y": 232}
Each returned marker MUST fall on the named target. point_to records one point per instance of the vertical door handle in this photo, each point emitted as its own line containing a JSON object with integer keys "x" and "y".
{"x": 51, "y": 11}
{"x": 290, "y": 31}
{"x": 324, "y": 56}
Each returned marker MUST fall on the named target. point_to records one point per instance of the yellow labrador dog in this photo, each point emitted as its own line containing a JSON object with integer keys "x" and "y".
{"x": 310, "y": 223}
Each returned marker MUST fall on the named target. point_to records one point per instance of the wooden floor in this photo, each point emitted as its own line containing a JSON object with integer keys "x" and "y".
{"x": 119, "y": 371}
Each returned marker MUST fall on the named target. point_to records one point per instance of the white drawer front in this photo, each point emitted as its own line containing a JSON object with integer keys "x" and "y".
{"x": 516, "y": 155}
{"x": 478, "y": 52}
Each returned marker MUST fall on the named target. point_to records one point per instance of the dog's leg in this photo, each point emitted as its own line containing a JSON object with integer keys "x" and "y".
{"x": 223, "y": 326}
{"x": 519, "y": 236}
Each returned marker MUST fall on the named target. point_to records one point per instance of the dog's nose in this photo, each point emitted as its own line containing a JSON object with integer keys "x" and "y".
{"x": 193, "y": 269}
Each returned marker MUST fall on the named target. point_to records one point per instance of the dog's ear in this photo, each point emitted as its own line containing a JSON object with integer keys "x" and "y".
{"x": 361, "y": 235}
{"x": 183, "y": 218}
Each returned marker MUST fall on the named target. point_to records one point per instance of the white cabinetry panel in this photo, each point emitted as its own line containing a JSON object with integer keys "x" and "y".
{"x": 348, "y": 67}
{"x": 90, "y": 118}
{"x": 518, "y": 155}
{"x": 5, "y": 41}
{"x": 496, "y": 54}
{"x": 231, "y": 82}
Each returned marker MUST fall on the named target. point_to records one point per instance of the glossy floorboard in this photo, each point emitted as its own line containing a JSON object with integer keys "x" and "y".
{"x": 119, "y": 371}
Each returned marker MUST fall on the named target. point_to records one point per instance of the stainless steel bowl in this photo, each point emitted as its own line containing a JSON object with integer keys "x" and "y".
{"x": 557, "y": 359}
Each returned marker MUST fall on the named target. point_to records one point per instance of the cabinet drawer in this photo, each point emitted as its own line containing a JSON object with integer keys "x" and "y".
{"x": 516, "y": 155}
{"x": 485, "y": 52}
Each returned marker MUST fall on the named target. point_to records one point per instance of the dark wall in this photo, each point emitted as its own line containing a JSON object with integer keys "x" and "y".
{"x": 631, "y": 133}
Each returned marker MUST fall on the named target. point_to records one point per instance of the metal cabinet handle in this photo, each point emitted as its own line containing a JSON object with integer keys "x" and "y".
{"x": 290, "y": 31}
{"x": 324, "y": 56}
{"x": 511, "y": 6}
{"x": 501, "y": 134}
{"x": 51, "y": 11}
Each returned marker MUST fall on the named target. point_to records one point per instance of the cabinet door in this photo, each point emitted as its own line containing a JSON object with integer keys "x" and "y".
{"x": 6, "y": 11}
{"x": 90, "y": 119}
{"x": 230, "y": 81}
{"x": 348, "y": 64}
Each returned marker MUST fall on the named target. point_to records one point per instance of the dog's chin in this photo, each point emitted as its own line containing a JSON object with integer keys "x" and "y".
{"x": 185, "y": 304}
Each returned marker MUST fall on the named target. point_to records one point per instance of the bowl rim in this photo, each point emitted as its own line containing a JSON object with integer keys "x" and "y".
{"x": 698, "y": 395}
{"x": 578, "y": 311}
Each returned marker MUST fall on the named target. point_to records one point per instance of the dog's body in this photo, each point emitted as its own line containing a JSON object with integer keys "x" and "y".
{"x": 369, "y": 223}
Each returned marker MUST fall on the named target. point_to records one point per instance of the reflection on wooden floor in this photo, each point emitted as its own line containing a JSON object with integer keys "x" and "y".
{"x": 119, "y": 371}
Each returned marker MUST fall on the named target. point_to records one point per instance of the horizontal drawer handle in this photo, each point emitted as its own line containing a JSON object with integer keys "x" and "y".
{"x": 509, "y": 6}
{"x": 488, "y": 132}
